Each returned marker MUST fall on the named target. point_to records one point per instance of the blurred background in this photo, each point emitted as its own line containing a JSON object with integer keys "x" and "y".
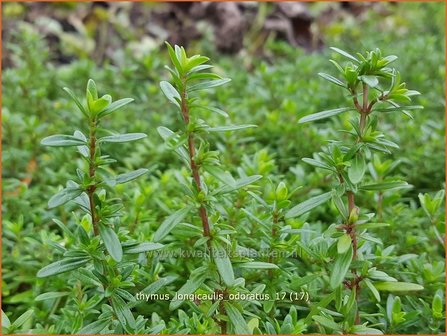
{"x": 271, "y": 51}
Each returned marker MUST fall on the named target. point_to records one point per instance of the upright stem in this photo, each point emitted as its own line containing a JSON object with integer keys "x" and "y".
{"x": 363, "y": 116}
{"x": 365, "y": 97}
{"x": 92, "y": 170}
{"x": 351, "y": 201}
{"x": 363, "y": 109}
{"x": 197, "y": 181}
{"x": 196, "y": 176}
{"x": 92, "y": 187}
{"x": 194, "y": 168}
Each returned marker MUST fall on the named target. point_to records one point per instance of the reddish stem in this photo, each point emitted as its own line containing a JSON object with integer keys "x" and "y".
{"x": 365, "y": 98}
{"x": 356, "y": 103}
{"x": 351, "y": 201}
{"x": 364, "y": 110}
{"x": 193, "y": 165}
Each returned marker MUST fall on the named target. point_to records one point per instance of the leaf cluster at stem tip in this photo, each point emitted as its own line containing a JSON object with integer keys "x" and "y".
{"x": 387, "y": 93}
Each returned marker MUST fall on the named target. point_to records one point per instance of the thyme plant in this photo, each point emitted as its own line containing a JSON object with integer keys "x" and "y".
{"x": 99, "y": 248}
{"x": 374, "y": 90}
{"x": 208, "y": 193}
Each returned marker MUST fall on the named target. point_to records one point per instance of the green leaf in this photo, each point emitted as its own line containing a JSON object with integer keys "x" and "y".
{"x": 341, "y": 267}
{"x": 257, "y": 265}
{"x": 91, "y": 87}
{"x": 64, "y": 196}
{"x": 308, "y": 205}
{"x": 437, "y": 306}
{"x": 324, "y": 114}
{"x": 236, "y": 319}
{"x": 115, "y": 106}
{"x": 397, "y": 286}
{"x": 194, "y": 61}
{"x": 62, "y": 140}
{"x": 87, "y": 278}
{"x": 253, "y": 324}
{"x": 341, "y": 206}
{"x": 22, "y": 319}
{"x": 144, "y": 247}
{"x": 223, "y": 263}
{"x": 203, "y": 75}
{"x": 76, "y": 100}
{"x": 94, "y": 328}
{"x": 325, "y": 322}
{"x": 208, "y": 84}
{"x": 174, "y": 58}
{"x": 111, "y": 242}
{"x": 200, "y": 68}
{"x": 316, "y": 307}
{"x": 389, "y": 59}
{"x": 195, "y": 280}
{"x": 181, "y": 55}
{"x": 51, "y": 295}
{"x": 221, "y": 175}
{"x": 212, "y": 109}
{"x": 123, "y": 312}
{"x": 370, "y": 226}
{"x": 371, "y": 81}
{"x": 301, "y": 281}
{"x": 344, "y": 53}
{"x": 339, "y": 68}
{"x": 170, "y": 92}
{"x": 170, "y": 222}
{"x": 380, "y": 275}
{"x": 62, "y": 266}
{"x": 157, "y": 285}
{"x": 430, "y": 205}
{"x": 83, "y": 150}
{"x": 240, "y": 183}
{"x": 332, "y": 79}
{"x": 318, "y": 164}
{"x": 5, "y": 320}
{"x": 169, "y": 136}
{"x": 229, "y": 128}
{"x": 357, "y": 169}
{"x": 373, "y": 289}
{"x": 399, "y": 108}
{"x": 343, "y": 244}
{"x": 127, "y": 177}
{"x": 385, "y": 186}
{"x": 364, "y": 330}
{"x": 281, "y": 192}
{"x": 100, "y": 104}
{"x": 118, "y": 138}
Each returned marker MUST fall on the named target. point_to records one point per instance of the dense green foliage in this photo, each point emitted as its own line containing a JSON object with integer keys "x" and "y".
{"x": 276, "y": 225}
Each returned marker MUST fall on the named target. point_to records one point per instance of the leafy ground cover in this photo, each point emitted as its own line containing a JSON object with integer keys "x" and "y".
{"x": 272, "y": 90}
